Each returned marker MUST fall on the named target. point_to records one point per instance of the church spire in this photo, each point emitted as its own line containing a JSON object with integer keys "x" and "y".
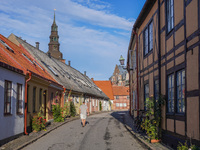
{"x": 54, "y": 20}
{"x": 54, "y": 41}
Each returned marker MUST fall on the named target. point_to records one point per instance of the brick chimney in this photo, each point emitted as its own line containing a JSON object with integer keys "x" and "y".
{"x": 37, "y": 45}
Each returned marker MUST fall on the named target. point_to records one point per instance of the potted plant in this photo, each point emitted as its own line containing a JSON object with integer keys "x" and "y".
{"x": 152, "y": 120}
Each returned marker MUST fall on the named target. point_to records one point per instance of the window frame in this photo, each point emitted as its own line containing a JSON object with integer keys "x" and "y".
{"x": 172, "y": 96}
{"x": 175, "y": 93}
{"x": 19, "y": 99}
{"x": 145, "y": 94}
{"x": 169, "y": 13}
{"x": 177, "y": 97}
{"x": 156, "y": 91}
{"x": 34, "y": 100}
{"x": 7, "y": 97}
{"x": 146, "y": 38}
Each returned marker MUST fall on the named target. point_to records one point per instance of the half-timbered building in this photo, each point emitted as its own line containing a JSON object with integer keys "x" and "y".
{"x": 164, "y": 59}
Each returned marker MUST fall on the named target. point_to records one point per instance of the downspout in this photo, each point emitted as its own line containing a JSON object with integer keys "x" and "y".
{"x": 159, "y": 62}
{"x": 137, "y": 64}
{"x": 25, "y": 114}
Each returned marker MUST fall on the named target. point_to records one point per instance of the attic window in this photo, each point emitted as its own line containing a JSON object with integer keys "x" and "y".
{"x": 58, "y": 71}
{"x": 27, "y": 58}
{"x": 38, "y": 65}
{"x": 6, "y": 46}
{"x": 52, "y": 70}
{"x": 65, "y": 73}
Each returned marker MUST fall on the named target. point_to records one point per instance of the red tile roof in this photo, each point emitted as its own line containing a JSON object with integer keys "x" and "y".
{"x": 106, "y": 87}
{"x": 18, "y": 59}
{"x": 120, "y": 90}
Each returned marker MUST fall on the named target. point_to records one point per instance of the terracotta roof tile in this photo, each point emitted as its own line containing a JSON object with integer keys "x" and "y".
{"x": 120, "y": 90}
{"x": 21, "y": 59}
{"x": 106, "y": 87}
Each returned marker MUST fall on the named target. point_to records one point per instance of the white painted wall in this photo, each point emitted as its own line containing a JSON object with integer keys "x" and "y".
{"x": 13, "y": 124}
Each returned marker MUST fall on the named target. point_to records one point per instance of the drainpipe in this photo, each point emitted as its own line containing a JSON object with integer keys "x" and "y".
{"x": 159, "y": 63}
{"x": 137, "y": 64}
{"x": 25, "y": 114}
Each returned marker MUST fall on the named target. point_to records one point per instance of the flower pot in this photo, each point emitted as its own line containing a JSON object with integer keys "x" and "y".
{"x": 155, "y": 141}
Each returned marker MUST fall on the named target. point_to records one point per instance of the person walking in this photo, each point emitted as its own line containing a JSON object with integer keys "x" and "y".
{"x": 83, "y": 113}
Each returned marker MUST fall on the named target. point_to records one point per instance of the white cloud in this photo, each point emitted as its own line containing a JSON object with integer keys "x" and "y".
{"x": 86, "y": 31}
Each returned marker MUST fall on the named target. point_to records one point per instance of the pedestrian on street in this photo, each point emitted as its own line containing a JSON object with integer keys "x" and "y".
{"x": 83, "y": 113}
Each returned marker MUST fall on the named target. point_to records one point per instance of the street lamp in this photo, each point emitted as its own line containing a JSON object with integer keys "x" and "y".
{"x": 121, "y": 60}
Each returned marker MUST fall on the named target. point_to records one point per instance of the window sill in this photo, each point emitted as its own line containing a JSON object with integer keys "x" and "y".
{"x": 176, "y": 116}
{"x": 19, "y": 114}
{"x": 7, "y": 115}
{"x": 169, "y": 33}
{"x": 149, "y": 53}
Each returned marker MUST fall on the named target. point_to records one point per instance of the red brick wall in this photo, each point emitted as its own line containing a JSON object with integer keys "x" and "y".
{"x": 122, "y": 103}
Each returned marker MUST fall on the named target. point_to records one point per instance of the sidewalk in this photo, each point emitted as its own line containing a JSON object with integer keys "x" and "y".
{"x": 142, "y": 138}
{"x": 25, "y": 140}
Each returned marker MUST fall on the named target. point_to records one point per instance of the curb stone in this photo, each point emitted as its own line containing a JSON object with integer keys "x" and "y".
{"x": 149, "y": 146}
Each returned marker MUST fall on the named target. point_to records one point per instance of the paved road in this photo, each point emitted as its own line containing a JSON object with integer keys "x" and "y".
{"x": 104, "y": 132}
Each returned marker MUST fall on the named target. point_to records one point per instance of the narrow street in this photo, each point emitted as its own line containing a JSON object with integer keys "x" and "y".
{"x": 104, "y": 132}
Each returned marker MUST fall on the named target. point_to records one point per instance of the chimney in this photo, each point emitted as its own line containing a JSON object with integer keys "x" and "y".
{"x": 92, "y": 79}
{"x": 85, "y": 73}
{"x": 37, "y": 45}
{"x": 69, "y": 63}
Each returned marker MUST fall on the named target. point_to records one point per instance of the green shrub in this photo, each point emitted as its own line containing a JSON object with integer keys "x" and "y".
{"x": 186, "y": 147}
{"x": 57, "y": 113}
{"x": 72, "y": 109}
{"x": 100, "y": 106}
{"x": 39, "y": 122}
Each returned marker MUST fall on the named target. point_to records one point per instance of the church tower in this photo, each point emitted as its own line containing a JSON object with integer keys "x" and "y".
{"x": 54, "y": 44}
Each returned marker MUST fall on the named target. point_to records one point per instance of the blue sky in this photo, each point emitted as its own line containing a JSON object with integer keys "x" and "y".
{"x": 92, "y": 33}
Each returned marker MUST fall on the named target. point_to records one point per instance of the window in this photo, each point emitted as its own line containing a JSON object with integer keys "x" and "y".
{"x": 156, "y": 90}
{"x": 146, "y": 94}
{"x": 117, "y": 97}
{"x": 148, "y": 38}
{"x": 7, "y": 97}
{"x": 19, "y": 99}
{"x": 125, "y": 104}
{"x": 40, "y": 97}
{"x": 117, "y": 104}
{"x": 170, "y": 14}
{"x": 6, "y": 46}
{"x": 34, "y": 98}
{"x": 27, "y": 58}
{"x": 51, "y": 101}
{"x": 92, "y": 102}
{"x": 128, "y": 97}
{"x": 180, "y": 91}
{"x": 170, "y": 93}
{"x": 121, "y": 104}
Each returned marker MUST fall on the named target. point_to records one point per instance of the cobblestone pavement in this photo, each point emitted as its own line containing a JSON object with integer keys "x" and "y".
{"x": 141, "y": 137}
{"x": 124, "y": 118}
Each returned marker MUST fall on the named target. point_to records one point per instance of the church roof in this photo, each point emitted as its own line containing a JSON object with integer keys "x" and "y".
{"x": 64, "y": 74}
